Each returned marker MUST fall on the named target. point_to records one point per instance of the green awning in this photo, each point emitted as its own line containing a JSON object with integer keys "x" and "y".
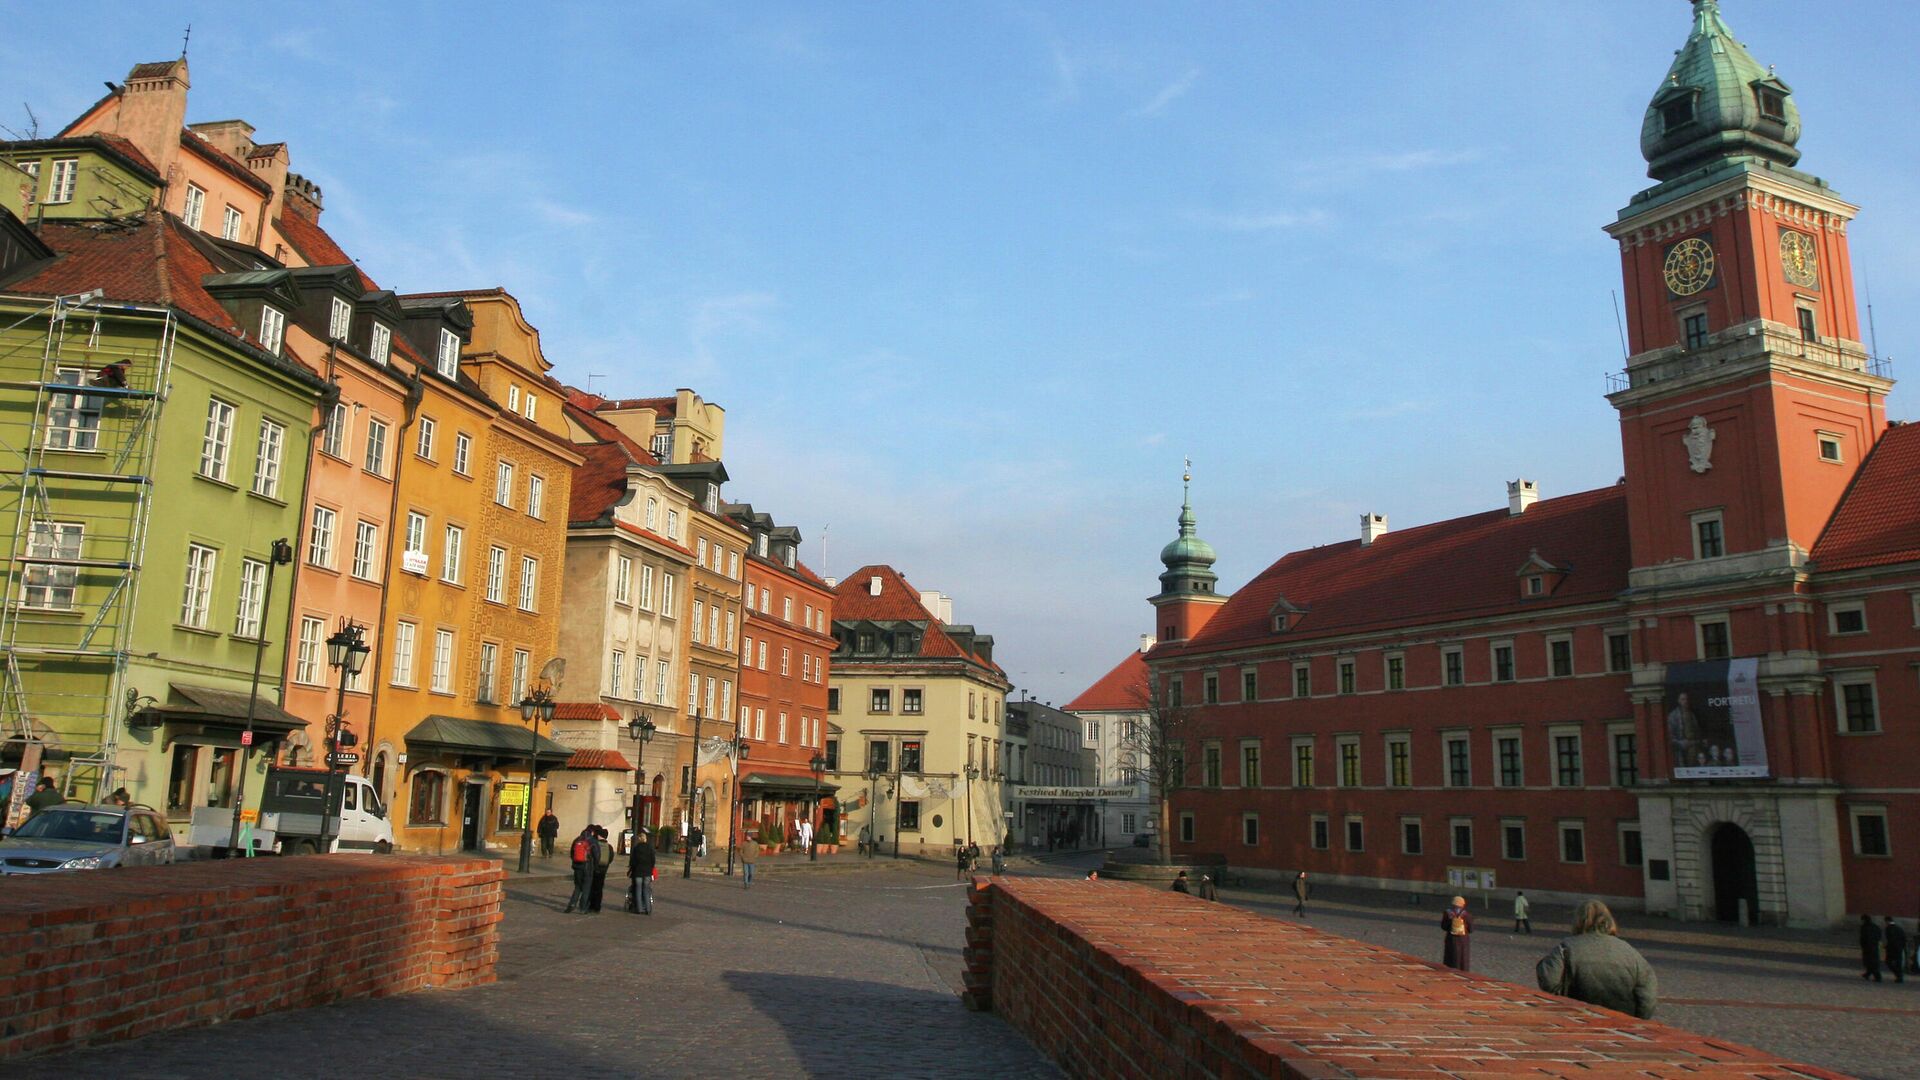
{"x": 764, "y": 784}
{"x": 483, "y": 738}
{"x": 211, "y": 711}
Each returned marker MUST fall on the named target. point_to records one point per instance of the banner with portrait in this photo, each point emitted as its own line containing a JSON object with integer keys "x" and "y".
{"x": 1712, "y": 712}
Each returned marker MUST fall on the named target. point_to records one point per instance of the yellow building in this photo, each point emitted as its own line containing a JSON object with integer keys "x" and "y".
{"x": 918, "y": 706}
{"x": 471, "y": 621}
{"x": 676, "y": 430}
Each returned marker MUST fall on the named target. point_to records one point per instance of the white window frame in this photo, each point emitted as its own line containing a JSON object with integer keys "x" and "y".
{"x": 322, "y": 528}
{"x": 194, "y": 207}
{"x": 231, "y": 222}
{"x": 1700, "y": 517}
{"x": 307, "y": 662}
{"x": 446, "y": 358}
{"x": 453, "y": 554}
{"x": 622, "y": 579}
{"x": 646, "y": 587}
{"x": 1857, "y": 811}
{"x": 50, "y": 587}
{"x": 536, "y": 496}
{"x": 273, "y": 328}
{"x": 203, "y": 561}
{"x": 1453, "y": 838}
{"x": 339, "y": 318}
{"x": 73, "y": 419}
{"x": 266, "y": 462}
{"x": 216, "y": 439}
{"x": 522, "y": 665}
{"x": 1447, "y": 739}
{"x": 503, "y": 484}
{"x": 443, "y": 650}
{"x": 1554, "y": 735}
{"x": 616, "y": 671}
{"x": 1454, "y": 651}
{"x": 489, "y": 674}
{"x": 333, "y": 442}
{"x": 406, "y": 639}
{"x": 513, "y": 398}
{"x": 62, "y": 181}
{"x": 380, "y": 343}
{"x": 532, "y": 409}
{"x": 462, "y": 453}
{"x": 529, "y": 583}
{"x": 496, "y": 574}
{"x": 423, "y": 439}
{"x": 366, "y": 551}
{"x": 376, "y": 459}
{"x": 414, "y": 541}
{"x": 249, "y": 616}
{"x": 1835, "y": 610}
{"x": 1824, "y": 439}
{"x": 1868, "y": 679}
{"x": 1573, "y": 658}
{"x": 1493, "y": 661}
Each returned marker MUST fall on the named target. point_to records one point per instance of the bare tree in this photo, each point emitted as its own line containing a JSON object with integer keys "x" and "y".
{"x": 1152, "y": 748}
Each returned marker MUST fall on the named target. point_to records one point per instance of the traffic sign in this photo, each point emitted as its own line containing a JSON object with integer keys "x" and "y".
{"x": 246, "y": 738}
{"x": 344, "y": 758}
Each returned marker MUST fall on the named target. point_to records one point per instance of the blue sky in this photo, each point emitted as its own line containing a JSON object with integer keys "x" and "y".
{"x": 971, "y": 280}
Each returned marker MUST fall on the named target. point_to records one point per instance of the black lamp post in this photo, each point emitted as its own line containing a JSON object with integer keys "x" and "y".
{"x": 819, "y": 767}
{"x": 739, "y": 748}
{"x": 873, "y": 774}
{"x": 279, "y": 553}
{"x": 641, "y": 730}
{"x": 347, "y": 652}
{"x": 693, "y": 780}
{"x": 973, "y": 773}
{"x": 536, "y": 707}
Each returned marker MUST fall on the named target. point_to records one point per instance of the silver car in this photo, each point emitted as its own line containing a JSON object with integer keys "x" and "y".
{"x": 68, "y": 837}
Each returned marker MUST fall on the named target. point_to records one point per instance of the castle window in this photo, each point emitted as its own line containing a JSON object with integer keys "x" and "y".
{"x": 1695, "y": 326}
{"x": 1716, "y": 643}
{"x": 1773, "y": 104}
{"x": 1850, "y": 619}
{"x": 1709, "y": 540}
{"x": 1677, "y": 113}
{"x": 1830, "y": 448}
{"x": 1809, "y": 326}
{"x": 1536, "y": 585}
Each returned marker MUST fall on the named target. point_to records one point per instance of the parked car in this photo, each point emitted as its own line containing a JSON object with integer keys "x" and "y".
{"x": 69, "y": 837}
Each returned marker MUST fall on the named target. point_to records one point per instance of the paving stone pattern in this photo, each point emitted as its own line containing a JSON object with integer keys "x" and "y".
{"x": 846, "y": 974}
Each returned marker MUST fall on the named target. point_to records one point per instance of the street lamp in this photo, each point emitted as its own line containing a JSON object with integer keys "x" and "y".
{"x": 536, "y": 707}
{"x": 693, "y": 779}
{"x": 641, "y": 730}
{"x": 873, "y": 774}
{"x": 973, "y": 773}
{"x": 347, "y": 652}
{"x": 279, "y": 553}
{"x": 739, "y": 750}
{"x": 819, "y": 767}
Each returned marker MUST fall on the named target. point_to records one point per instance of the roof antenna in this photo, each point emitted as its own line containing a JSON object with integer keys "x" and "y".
{"x": 184, "y": 38}
{"x": 1873, "y": 336}
{"x": 823, "y": 544}
{"x": 590, "y": 378}
{"x": 1619, "y": 324}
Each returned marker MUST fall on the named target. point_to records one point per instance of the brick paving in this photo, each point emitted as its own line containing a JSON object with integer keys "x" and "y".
{"x": 854, "y": 972}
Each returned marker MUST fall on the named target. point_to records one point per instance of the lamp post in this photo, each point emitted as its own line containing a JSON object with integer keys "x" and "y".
{"x": 279, "y": 553}
{"x": 537, "y": 706}
{"x": 641, "y": 730}
{"x": 897, "y": 785}
{"x": 819, "y": 767}
{"x": 873, "y": 774}
{"x": 739, "y": 752}
{"x": 693, "y": 779}
{"x": 347, "y": 652}
{"x": 973, "y": 773}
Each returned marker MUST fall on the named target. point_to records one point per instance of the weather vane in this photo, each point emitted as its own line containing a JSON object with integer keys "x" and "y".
{"x": 184, "y": 39}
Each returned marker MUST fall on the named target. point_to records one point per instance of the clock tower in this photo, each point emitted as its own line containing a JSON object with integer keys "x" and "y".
{"x": 1748, "y": 401}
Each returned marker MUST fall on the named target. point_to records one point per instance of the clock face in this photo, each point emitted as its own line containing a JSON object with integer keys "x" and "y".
{"x": 1689, "y": 266}
{"x": 1799, "y": 258}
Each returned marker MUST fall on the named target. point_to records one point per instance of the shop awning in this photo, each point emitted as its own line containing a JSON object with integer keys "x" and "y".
{"x": 483, "y": 738}
{"x": 778, "y": 784}
{"x": 207, "y": 715}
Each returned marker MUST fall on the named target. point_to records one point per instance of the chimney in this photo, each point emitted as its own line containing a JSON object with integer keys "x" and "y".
{"x": 938, "y": 604}
{"x": 152, "y": 111}
{"x": 1372, "y": 527}
{"x": 1520, "y": 495}
{"x": 233, "y": 138}
{"x": 873, "y": 585}
{"x": 832, "y": 582}
{"x": 1146, "y": 642}
{"x": 303, "y": 197}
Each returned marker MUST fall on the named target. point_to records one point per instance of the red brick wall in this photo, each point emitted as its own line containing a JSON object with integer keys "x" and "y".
{"x": 1118, "y": 980}
{"x": 117, "y": 954}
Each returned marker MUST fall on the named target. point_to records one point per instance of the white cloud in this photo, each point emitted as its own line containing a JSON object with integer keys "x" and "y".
{"x": 1259, "y": 221}
{"x": 554, "y": 213}
{"x": 1169, "y": 94}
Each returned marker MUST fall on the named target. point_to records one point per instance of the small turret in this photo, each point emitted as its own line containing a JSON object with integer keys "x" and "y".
{"x": 1717, "y": 102}
{"x": 1188, "y": 596}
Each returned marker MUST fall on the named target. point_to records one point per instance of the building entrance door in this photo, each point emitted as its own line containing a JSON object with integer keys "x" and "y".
{"x": 470, "y": 816}
{"x": 1734, "y": 875}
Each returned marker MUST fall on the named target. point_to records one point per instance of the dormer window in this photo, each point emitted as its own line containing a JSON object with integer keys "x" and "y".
{"x": 194, "y": 207}
{"x": 339, "y": 319}
{"x": 532, "y": 401}
{"x": 1677, "y": 113}
{"x": 788, "y": 558}
{"x": 513, "y": 399}
{"x": 1280, "y": 624}
{"x": 760, "y": 545}
{"x": 273, "y": 328}
{"x": 663, "y": 446}
{"x": 712, "y": 500}
{"x": 1772, "y": 102}
{"x": 1536, "y": 585}
{"x": 447, "y": 359}
{"x": 381, "y": 345}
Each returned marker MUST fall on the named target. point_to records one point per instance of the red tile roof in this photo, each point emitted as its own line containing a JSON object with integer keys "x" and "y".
{"x": 599, "y": 482}
{"x": 317, "y": 248}
{"x": 1878, "y": 521}
{"x": 1124, "y": 689}
{"x": 1463, "y": 568}
{"x": 898, "y": 601}
{"x": 124, "y": 146}
{"x": 584, "y": 710}
{"x": 600, "y": 759}
{"x": 219, "y": 159}
{"x": 149, "y": 263}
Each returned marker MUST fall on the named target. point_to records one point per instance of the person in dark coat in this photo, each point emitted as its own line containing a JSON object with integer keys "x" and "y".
{"x": 1457, "y": 924}
{"x": 549, "y": 831}
{"x": 1180, "y": 882}
{"x": 1300, "y": 890}
{"x": 640, "y": 861}
{"x": 602, "y": 861}
{"x": 1897, "y": 949}
{"x": 1870, "y": 949}
{"x": 1595, "y": 966}
{"x": 44, "y": 795}
{"x": 582, "y": 855}
{"x": 1208, "y": 891}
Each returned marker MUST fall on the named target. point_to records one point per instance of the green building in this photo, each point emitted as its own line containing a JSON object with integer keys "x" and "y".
{"x": 139, "y": 516}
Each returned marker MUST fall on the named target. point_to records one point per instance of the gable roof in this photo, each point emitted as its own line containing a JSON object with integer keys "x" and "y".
{"x": 1455, "y": 569}
{"x": 1878, "y": 521}
{"x": 1124, "y": 689}
{"x": 316, "y": 247}
{"x": 599, "y": 483}
{"x": 899, "y": 601}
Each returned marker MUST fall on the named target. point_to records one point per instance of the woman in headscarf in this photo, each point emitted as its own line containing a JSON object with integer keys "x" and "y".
{"x": 1457, "y": 924}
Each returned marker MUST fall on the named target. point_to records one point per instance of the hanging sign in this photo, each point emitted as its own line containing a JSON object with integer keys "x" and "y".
{"x": 1712, "y": 710}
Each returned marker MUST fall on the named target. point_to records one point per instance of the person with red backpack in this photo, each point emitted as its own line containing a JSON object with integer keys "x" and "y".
{"x": 583, "y": 860}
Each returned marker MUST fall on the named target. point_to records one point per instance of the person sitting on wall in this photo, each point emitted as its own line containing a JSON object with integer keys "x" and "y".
{"x": 1180, "y": 882}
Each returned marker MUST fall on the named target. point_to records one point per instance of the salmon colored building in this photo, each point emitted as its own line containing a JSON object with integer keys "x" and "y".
{"x": 784, "y": 652}
{"x": 1693, "y": 691}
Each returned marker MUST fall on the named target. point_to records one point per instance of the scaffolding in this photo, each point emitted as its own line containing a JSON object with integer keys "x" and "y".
{"x": 82, "y": 383}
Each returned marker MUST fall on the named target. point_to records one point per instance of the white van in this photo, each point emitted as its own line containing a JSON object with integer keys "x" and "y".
{"x": 290, "y": 816}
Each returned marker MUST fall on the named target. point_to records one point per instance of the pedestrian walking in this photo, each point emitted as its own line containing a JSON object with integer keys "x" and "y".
{"x": 602, "y": 862}
{"x": 1897, "y": 949}
{"x": 1300, "y": 890}
{"x": 582, "y": 856}
{"x": 1521, "y": 921}
{"x": 1207, "y": 889}
{"x": 698, "y": 839}
{"x": 747, "y": 850}
{"x": 549, "y": 831}
{"x": 1593, "y": 965}
{"x": 640, "y": 870}
{"x": 999, "y": 860}
{"x": 1457, "y": 924}
{"x": 1870, "y": 949}
{"x": 973, "y": 856}
{"x": 959, "y": 862}
{"x": 1180, "y": 882}
{"x": 44, "y": 795}
{"x": 806, "y": 836}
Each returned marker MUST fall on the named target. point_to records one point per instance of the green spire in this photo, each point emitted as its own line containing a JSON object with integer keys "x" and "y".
{"x": 1716, "y": 103}
{"x": 1188, "y": 559}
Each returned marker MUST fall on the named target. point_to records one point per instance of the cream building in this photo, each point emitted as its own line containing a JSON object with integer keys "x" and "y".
{"x": 918, "y": 706}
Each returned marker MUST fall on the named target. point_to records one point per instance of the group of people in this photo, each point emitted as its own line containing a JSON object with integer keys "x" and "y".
{"x": 1208, "y": 890}
{"x": 592, "y": 856}
{"x": 1592, "y": 964}
{"x": 1891, "y": 937}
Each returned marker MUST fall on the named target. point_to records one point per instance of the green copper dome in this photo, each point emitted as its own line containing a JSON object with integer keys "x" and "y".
{"x": 1717, "y": 102}
{"x": 1189, "y": 560}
